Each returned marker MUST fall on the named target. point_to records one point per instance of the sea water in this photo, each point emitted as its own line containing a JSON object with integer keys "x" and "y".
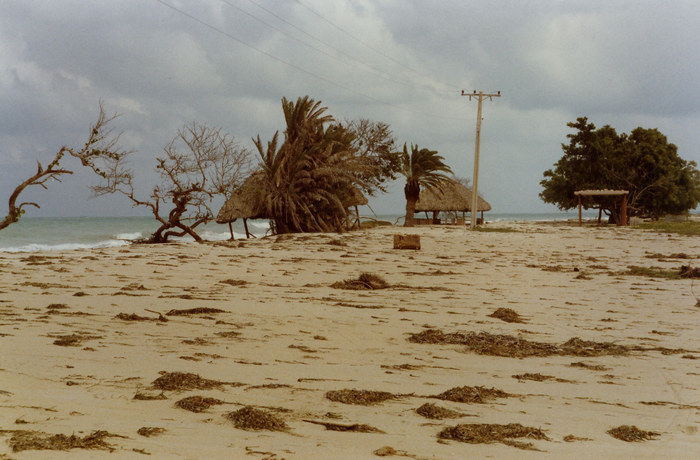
{"x": 68, "y": 233}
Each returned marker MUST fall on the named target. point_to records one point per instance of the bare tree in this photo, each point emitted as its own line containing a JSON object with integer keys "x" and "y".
{"x": 199, "y": 164}
{"x": 100, "y": 140}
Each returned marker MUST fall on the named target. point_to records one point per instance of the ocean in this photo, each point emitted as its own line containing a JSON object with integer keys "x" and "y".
{"x": 33, "y": 234}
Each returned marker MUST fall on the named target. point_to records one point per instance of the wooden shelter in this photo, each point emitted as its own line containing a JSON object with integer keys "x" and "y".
{"x": 591, "y": 193}
{"x": 245, "y": 203}
{"x": 248, "y": 202}
{"x": 454, "y": 197}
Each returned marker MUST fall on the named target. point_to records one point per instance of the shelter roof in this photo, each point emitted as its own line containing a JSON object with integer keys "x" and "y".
{"x": 601, "y": 192}
{"x": 453, "y": 197}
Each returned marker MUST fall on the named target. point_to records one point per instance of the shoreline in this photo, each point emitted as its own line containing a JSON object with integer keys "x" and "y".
{"x": 75, "y": 356}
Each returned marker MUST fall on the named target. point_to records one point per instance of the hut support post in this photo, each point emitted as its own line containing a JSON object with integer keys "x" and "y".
{"x": 623, "y": 212}
{"x": 245, "y": 225}
{"x": 230, "y": 228}
{"x": 580, "y": 221}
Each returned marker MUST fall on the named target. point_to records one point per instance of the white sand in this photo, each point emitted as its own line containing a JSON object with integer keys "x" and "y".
{"x": 301, "y": 338}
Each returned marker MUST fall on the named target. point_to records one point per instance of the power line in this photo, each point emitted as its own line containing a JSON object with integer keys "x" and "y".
{"x": 367, "y": 45}
{"x": 378, "y": 72}
{"x": 337, "y": 50}
{"x": 296, "y": 67}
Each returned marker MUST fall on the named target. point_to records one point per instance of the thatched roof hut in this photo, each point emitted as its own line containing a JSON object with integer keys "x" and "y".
{"x": 247, "y": 202}
{"x": 244, "y": 203}
{"x": 454, "y": 197}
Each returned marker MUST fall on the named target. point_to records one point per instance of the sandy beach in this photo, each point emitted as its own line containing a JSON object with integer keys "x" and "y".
{"x": 250, "y": 349}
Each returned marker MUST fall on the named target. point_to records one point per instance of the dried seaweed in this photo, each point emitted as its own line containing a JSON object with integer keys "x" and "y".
{"x": 485, "y": 343}
{"x": 485, "y": 433}
{"x": 572, "y": 438}
{"x": 148, "y": 431}
{"x": 250, "y": 418}
{"x": 631, "y": 433}
{"x": 359, "y": 397}
{"x": 180, "y": 381}
{"x": 578, "y": 347}
{"x": 73, "y": 340}
{"x": 35, "y": 440}
{"x": 687, "y": 271}
{"x": 194, "y": 311}
{"x": 508, "y": 315}
{"x": 435, "y": 412}
{"x": 537, "y": 377}
{"x": 467, "y": 394}
{"x": 197, "y": 403}
{"x": 149, "y": 397}
{"x": 593, "y": 367}
{"x": 366, "y": 281}
{"x": 232, "y": 282}
{"x": 134, "y": 317}
{"x": 356, "y": 428}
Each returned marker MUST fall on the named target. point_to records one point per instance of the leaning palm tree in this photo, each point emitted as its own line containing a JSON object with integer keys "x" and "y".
{"x": 309, "y": 176}
{"x": 422, "y": 168}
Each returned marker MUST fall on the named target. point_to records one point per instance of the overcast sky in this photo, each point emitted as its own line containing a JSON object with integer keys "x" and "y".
{"x": 228, "y": 63}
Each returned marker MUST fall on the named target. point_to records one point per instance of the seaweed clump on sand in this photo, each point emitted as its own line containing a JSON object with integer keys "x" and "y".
{"x": 508, "y": 315}
{"x": 250, "y": 418}
{"x": 578, "y": 347}
{"x": 686, "y": 271}
{"x": 435, "y": 412}
{"x": 467, "y": 394}
{"x": 73, "y": 340}
{"x": 366, "y": 281}
{"x": 148, "y": 431}
{"x": 197, "y": 403}
{"x": 194, "y": 311}
{"x": 180, "y": 381}
{"x": 355, "y": 427}
{"x": 485, "y": 343}
{"x": 486, "y": 433}
{"x": 135, "y": 317}
{"x": 359, "y": 397}
{"x": 631, "y": 433}
{"x": 149, "y": 397}
{"x": 537, "y": 377}
{"x": 35, "y": 440}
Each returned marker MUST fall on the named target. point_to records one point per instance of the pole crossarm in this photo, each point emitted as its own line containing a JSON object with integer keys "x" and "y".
{"x": 475, "y": 94}
{"x": 475, "y": 192}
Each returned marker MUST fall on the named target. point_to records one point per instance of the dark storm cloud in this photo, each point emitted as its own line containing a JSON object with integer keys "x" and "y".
{"x": 228, "y": 64}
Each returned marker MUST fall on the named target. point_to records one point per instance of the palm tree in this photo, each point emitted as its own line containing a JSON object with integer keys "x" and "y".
{"x": 309, "y": 176}
{"x": 422, "y": 168}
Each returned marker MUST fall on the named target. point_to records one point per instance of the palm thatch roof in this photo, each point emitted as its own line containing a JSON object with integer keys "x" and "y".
{"x": 453, "y": 197}
{"x": 247, "y": 202}
{"x": 356, "y": 198}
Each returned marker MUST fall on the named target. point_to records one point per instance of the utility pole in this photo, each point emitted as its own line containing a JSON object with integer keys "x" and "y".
{"x": 475, "y": 191}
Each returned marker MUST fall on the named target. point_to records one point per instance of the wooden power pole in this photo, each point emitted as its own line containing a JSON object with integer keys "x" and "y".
{"x": 475, "y": 190}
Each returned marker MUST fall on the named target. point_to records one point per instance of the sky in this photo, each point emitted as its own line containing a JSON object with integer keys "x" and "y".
{"x": 160, "y": 64}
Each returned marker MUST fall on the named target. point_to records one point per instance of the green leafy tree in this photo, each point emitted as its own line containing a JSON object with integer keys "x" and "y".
{"x": 376, "y": 146}
{"x": 421, "y": 168}
{"x": 643, "y": 162}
